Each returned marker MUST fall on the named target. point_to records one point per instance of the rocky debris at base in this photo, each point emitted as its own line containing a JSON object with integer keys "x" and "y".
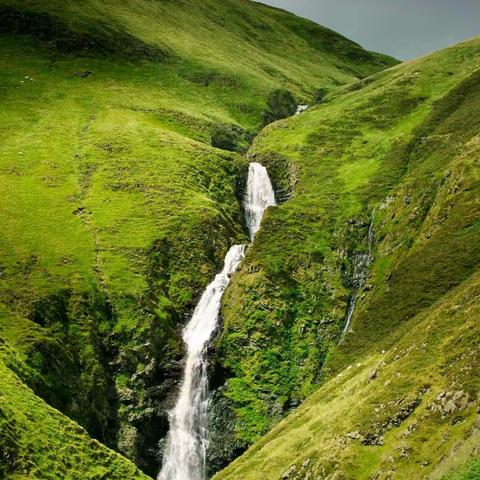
{"x": 374, "y": 440}
{"x": 300, "y": 473}
{"x": 289, "y": 473}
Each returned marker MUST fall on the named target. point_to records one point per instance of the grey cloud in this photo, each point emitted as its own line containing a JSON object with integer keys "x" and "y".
{"x": 402, "y": 28}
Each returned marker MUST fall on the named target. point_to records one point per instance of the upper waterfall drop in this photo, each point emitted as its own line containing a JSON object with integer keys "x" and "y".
{"x": 259, "y": 197}
{"x": 187, "y": 442}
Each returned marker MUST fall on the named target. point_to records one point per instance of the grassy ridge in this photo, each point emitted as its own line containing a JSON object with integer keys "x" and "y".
{"x": 399, "y": 149}
{"x": 255, "y": 43}
{"x": 88, "y": 188}
{"x": 116, "y": 209}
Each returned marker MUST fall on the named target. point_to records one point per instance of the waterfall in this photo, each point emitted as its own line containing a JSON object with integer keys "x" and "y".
{"x": 187, "y": 442}
{"x": 361, "y": 263}
{"x": 260, "y": 195}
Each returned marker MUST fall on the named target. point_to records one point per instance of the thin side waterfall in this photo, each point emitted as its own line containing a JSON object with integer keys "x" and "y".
{"x": 360, "y": 275}
{"x": 187, "y": 442}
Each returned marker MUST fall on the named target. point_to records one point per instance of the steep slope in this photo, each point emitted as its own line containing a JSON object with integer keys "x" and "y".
{"x": 406, "y": 413}
{"x": 391, "y": 161}
{"x": 117, "y": 207}
{"x": 469, "y": 471}
{"x": 33, "y": 433}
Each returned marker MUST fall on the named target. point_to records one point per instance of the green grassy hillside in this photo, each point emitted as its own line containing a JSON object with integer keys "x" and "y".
{"x": 398, "y": 396}
{"x": 39, "y": 442}
{"x": 116, "y": 206}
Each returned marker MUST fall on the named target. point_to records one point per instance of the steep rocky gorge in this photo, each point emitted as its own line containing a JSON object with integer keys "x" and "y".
{"x": 122, "y": 176}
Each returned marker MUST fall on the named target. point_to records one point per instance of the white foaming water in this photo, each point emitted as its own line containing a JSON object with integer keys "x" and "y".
{"x": 185, "y": 454}
{"x": 187, "y": 440}
{"x": 259, "y": 197}
{"x": 301, "y": 109}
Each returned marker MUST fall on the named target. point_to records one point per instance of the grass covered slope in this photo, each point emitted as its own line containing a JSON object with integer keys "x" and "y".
{"x": 234, "y": 43}
{"x": 108, "y": 219}
{"x": 39, "y": 442}
{"x": 390, "y": 415}
{"x": 397, "y": 152}
{"x": 116, "y": 206}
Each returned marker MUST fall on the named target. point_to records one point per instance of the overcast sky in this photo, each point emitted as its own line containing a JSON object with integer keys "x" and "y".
{"x": 403, "y": 28}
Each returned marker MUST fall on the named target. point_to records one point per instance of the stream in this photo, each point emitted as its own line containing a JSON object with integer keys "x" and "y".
{"x": 187, "y": 441}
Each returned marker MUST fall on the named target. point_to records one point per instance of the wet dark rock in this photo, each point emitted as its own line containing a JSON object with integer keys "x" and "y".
{"x": 224, "y": 447}
{"x": 83, "y": 74}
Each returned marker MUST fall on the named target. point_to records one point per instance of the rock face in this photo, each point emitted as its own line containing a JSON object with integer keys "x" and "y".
{"x": 224, "y": 446}
{"x": 448, "y": 403}
{"x": 307, "y": 327}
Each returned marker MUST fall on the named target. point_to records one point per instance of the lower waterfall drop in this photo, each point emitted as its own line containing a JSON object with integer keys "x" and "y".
{"x": 187, "y": 442}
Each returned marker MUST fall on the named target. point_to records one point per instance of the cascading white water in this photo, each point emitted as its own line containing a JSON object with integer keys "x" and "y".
{"x": 301, "y": 108}
{"x": 187, "y": 441}
{"x": 185, "y": 454}
{"x": 260, "y": 195}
